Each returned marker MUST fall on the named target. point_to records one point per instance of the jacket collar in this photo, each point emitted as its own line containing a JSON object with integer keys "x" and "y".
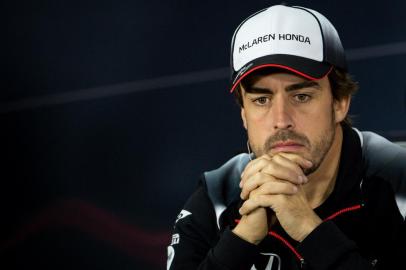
{"x": 350, "y": 172}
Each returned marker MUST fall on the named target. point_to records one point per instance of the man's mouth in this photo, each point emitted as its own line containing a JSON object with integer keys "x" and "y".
{"x": 286, "y": 146}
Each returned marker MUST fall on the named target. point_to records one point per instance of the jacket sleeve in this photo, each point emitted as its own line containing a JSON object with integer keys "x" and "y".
{"x": 327, "y": 247}
{"x": 344, "y": 254}
{"x": 198, "y": 244}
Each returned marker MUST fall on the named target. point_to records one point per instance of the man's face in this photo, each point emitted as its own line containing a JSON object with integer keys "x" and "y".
{"x": 286, "y": 113}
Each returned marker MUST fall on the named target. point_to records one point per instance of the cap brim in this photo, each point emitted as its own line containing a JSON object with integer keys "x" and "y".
{"x": 307, "y": 68}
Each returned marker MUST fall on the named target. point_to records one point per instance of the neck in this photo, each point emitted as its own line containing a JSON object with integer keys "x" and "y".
{"x": 321, "y": 182}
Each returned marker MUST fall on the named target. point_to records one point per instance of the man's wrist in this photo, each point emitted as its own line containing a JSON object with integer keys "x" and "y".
{"x": 309, "y": 227}
{"x": 245, "y": 234}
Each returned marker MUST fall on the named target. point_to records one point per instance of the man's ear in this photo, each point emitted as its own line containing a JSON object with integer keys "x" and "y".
{"x": 244, "y": 119}
{"x": 341, "y": 108}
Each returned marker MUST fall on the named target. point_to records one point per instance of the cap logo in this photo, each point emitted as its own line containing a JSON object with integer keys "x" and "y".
{"x": 273, "y": 36}
{"x": 242, "y": 71}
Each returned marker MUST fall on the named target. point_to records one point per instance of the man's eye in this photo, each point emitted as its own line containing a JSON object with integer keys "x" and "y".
{"x": 302, "y": 98}
{"x": 261, "y": 100}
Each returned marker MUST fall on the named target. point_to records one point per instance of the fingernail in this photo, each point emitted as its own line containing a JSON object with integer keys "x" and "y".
{"x": 240, "y": 184}
{"x": 294, "y": 188}
{"x": 301, "y": 179}
{"x": 309, "y": 163}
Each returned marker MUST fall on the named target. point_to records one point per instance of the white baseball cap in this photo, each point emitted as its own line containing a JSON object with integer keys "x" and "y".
{"x": 297, "y": 39}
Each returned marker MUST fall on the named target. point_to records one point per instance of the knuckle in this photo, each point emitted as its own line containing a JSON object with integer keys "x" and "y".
{"x": 257, "y": 200}
{"x": 271, "y": 167}
{"x": 278, "y": 158}
{"x": 267, "y": 157}
{"x": 291, "y": 189}
{"x": 294, "y": 174}
{"x": 263, "y": 200}
{"x": 261, "y": 175}
{"x": 271, "y": 186}
{"x": 265, "y": 178}
{"x": 253, "y": 194}
{"x": 252, "y": 200}
{"x": 260, "y": 160}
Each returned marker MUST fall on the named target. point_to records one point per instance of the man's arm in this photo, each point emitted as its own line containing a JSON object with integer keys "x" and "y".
{"x": 325, "y": 246}
{"x": 198, "y": 244}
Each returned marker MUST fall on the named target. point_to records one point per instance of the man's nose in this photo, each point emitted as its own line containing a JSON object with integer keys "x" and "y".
{"x": 281, "y": 113}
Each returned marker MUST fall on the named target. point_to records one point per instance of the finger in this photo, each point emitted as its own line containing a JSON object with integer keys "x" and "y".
{"x": 301, "y": 161}
{"x": 266, "y": 184}
{"x": 253, "y": 167}
{"x": 256, "y": 202}
{"x": 254, "y": 182}
{"x": 275, "y": 188}
{"x": 285, "y": 169}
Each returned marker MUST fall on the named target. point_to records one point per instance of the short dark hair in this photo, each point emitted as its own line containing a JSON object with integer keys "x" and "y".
{"x": 342, "y": 85}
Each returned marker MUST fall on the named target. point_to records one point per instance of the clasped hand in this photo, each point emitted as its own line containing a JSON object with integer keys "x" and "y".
{"x": 277, "y": 183}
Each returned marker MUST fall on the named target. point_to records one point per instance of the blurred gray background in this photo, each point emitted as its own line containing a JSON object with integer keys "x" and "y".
{"x": 111, "y": 110}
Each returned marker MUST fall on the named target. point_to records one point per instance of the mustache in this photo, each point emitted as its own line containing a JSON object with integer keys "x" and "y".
{"x": 285, "y": 135}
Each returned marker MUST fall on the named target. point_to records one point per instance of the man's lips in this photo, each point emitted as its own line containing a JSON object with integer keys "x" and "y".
{"x": 286, "y": 146}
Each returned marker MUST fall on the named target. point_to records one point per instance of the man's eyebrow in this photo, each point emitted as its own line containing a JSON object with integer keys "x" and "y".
{"x": 301, "y": 85}
{"x": 257, "y": 90}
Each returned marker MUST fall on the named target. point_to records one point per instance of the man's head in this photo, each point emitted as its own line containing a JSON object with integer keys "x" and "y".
{"x": 289, "y": 74}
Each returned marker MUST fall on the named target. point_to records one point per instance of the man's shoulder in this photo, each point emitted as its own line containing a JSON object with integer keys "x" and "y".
{"x": 222, "y": 184}
{"x": 225, "y": 179}
{"x": 381, "y": 155}
{"x": 385, "y": 160}
{"x": 230, "y": 169}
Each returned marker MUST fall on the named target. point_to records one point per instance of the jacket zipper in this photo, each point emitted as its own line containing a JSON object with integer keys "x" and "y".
{"x": 287, "y": 244}
{"x": 294, "y": 251}
{"x": 342, "y": 211}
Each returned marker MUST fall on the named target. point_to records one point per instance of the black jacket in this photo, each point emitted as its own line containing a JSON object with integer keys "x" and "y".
{"x": 363, "y": 226}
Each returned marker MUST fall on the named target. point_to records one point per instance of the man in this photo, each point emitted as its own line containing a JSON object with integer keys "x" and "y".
{"x": 315, "y": 193}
